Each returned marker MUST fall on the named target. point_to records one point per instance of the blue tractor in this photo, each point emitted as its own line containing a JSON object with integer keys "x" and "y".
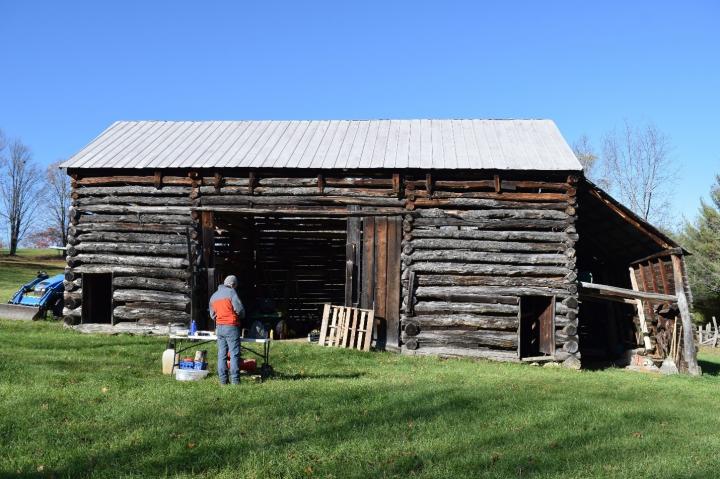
{"x": 36, "y": 298}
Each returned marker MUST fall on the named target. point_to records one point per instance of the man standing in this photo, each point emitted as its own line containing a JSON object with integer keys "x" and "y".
{"x": 227, "y": 311}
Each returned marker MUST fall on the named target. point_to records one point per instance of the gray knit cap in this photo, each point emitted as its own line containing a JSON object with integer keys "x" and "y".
{"x": 230, "y": 281}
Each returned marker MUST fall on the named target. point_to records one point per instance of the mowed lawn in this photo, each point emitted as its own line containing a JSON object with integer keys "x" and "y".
{"x": 74, "y": 405}
{"x": 18, "y": 270}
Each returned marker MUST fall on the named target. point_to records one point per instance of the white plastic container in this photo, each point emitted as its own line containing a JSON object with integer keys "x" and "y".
{"x": 191, "y": 374}
{"x": 169, "y": 358}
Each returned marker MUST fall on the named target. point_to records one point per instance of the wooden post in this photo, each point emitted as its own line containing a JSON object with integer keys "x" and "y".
{"x": 496, "y": 181}
{"x": 158, "y": 179}
{"x": 429, "y": 184}
{"x": 689, "y": 351}
{"x": 641, "y": 313}
{"x": 208, "y": 238}
{"x": 321, "y": 184}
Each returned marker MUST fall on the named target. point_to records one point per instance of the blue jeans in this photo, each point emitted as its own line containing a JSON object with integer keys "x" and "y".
{"x": 228, "y": 339}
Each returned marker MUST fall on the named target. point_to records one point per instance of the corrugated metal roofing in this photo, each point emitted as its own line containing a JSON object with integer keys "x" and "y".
{"x": 427, "y": 144}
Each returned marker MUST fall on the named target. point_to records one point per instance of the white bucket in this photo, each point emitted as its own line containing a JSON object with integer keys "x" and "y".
{"x": 190, "y": 374}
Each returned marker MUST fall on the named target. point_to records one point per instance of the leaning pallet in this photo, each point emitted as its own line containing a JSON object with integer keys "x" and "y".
{"x": 346, "y": 327}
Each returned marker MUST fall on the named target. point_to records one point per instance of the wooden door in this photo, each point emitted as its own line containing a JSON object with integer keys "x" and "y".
{"x": 380, "y": 276}
{"x": 537, "y": 326}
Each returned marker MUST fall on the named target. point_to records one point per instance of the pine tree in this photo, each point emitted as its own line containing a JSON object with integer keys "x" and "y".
{"x": 702, "y": 239}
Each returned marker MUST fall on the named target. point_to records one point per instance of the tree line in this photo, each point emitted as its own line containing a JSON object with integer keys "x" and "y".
{"x": 34, "y": 204}
{"x": 635, "y": 164}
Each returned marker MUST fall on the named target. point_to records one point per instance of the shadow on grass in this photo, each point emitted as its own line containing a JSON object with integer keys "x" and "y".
{"x": 709, "y": 367}
{"x": 297, "y": 376}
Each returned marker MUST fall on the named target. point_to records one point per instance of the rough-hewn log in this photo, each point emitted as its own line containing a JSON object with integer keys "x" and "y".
{"x": 177, "y": 238}
{"x": 505, "y": 185}
{"x": 124, "y": 270}
{"x": 300, "y": 201}
{"x": 132, "y": 180}
{"x": 438, "y": 307}
{"x": 456, "y": 280}
{"x": 484, "y": 257}
{"x": 459, "y": 292}
{"x": 135, "y": 248}
{"x": 500, "y": 270}
{"x": 87, "y": 227}
{"x": 150, "y": 316}
{"x": 480, "y": 353}
{"x": 481, "y": 245}
{"x": 475, "y": 234}
{"x": 132, "y": 190}
{"x": 159, "y": 284}
{"x": 529, "y": 197}
{"x": 92, "y": 201}
{"x": 182, "y": 306}
{"x": 470, "y": 294}
{"x": 315, "y": 212}
{"x": 147, "y": 295}
{"x": 493, "y": 214}
{"x": 496, "y": 223}
{"x": 571, "y": 347}
{"x": 509, "y": 323}
{"x": 122, "y": 210}
{"x": 127, "y": 260}
{"x": 167, "y": 219}
{"x": 486, "y": 203}
{"x": 469, "y": 339}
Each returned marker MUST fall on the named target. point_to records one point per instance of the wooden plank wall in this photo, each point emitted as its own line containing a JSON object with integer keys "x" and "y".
{"x": 137, "y": 228}
{"x": 475, "y": 247}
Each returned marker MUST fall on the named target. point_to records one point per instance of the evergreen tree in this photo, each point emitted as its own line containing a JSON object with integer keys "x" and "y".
{"x": 702, "y": 239}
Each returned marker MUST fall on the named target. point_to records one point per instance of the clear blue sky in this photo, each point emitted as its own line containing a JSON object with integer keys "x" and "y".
{"x": 69, "y": 69}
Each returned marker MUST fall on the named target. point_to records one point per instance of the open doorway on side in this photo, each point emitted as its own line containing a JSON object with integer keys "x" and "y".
{"x": 287, "y": 267}
{"x": 537, "y": 326}
{"x": 97, "y": 298}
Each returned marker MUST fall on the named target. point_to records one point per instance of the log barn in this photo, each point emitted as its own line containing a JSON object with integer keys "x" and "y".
{"x": 477, "y": 238}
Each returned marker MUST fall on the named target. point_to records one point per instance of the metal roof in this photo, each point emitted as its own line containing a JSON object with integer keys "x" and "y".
{"x": 343, "y": 144}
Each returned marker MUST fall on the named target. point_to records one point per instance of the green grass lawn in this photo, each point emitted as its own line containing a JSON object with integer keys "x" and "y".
{"x": 18, "y": 270}
{"x": 74, "y": 405}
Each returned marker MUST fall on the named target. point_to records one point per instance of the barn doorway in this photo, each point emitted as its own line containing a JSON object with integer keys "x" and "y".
{"x": 537, "y": 326}
{"x": 97, "y": 298}
{"x": 289, "y": 266}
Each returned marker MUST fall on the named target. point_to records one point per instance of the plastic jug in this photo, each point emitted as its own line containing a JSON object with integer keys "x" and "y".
{"x": 169, "y": 359}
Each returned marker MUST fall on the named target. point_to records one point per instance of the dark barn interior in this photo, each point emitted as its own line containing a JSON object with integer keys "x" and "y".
{"x": 287, "y": 267}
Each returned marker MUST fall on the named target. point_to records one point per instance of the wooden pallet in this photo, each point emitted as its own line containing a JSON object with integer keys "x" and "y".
{"x": 346, "y": 327}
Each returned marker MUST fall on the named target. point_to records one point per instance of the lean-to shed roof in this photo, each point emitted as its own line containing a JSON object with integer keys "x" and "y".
{"x": 333, "y": 144}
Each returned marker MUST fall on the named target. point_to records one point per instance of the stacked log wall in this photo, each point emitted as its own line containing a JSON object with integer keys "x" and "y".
{"x": 473, "y": 244}
{"x": 472, "y": 248}
{"x": 135, "y": 227}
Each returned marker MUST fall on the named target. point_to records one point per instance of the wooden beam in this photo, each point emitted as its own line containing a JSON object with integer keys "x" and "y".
{"x": 252, "y": 182}
{"x": 208, "y": 238}
{"x": 689, "y": 351}
{"x": 321, "y": 186}
{"x": 614, "y": 291}
{"x": 429, "y": 184}
{"x": 397, "y": 185}
{"x": 218, "y": 182}
{"x": 496, "y": 183}
{"x": 334, "y": 212}
{"x": 158, "y": 179}
{"x": 660, "y": 254}
{"x": 641, "y": 312}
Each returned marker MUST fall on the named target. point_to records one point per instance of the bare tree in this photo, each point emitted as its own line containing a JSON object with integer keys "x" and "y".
{"x": 640, "y": 171}
{"x": 20, "y": 191}
{"x": 590, "y": 160}
{"x": 58, "y": 202}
